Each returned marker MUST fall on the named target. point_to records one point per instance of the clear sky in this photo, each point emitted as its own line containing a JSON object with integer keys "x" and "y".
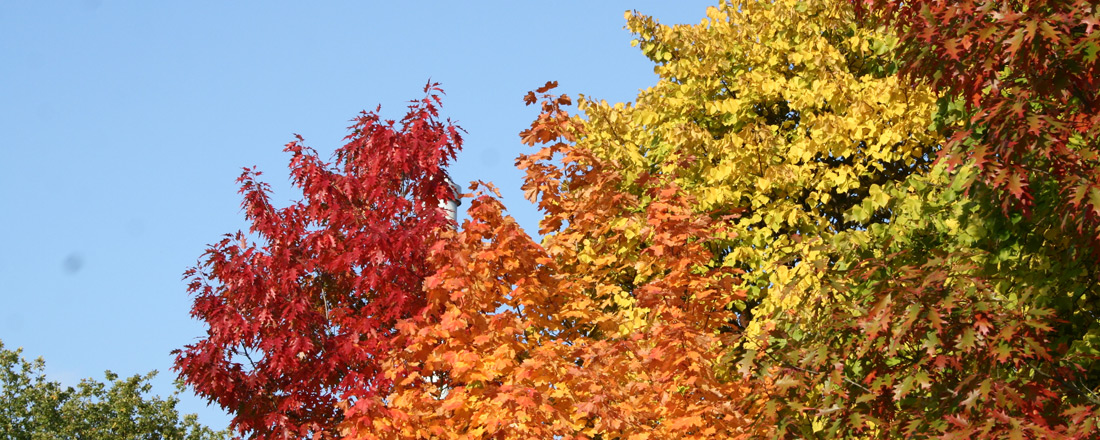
{"x": 125, "y": 124}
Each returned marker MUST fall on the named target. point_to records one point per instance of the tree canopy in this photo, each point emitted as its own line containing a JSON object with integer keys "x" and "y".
{"x": 33, "y": 407}
{"x": 302, "y": 309}
{"x": 827, "y": 219}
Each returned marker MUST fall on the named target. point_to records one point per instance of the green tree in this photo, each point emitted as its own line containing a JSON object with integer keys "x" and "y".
{"x": 33, "y": 407}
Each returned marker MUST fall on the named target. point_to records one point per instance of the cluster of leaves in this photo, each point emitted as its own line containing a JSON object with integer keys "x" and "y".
{"x": 781, "y": 113}
{"x": 939, "y": 322}
{"x": 1022, "y": 81}
{"x": 809, "y": 227}
{"x": 34, "y": 408}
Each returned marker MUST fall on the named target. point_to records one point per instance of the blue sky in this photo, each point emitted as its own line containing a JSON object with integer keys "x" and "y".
{"x": 125, "y": 124}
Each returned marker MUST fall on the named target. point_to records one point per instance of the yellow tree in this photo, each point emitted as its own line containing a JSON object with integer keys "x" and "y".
{"x": 785, "y": 113}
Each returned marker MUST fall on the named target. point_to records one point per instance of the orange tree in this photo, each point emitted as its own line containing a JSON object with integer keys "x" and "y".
{"x": 610, "y": 328}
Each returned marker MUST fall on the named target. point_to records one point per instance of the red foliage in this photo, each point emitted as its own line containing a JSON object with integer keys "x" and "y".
{"x": 303, "y": 318}
{"x": 922, "y": 348}
{"x": 1029, "y": 74}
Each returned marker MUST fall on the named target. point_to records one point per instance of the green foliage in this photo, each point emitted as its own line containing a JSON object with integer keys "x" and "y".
{"x": 1025, "y": 81}
{"x": 33, "y": 407}
{"x": 949, "y": 319}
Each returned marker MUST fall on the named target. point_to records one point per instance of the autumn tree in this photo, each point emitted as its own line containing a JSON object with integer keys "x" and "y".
{"x": 786, "y": 114}
{"x": 32, "y": 407}
{"x": 301, "y": 309}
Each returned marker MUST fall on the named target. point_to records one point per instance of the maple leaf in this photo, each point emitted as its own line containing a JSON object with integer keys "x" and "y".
{"x": 546, "y": 88}
{"x": 1016, "y": 184}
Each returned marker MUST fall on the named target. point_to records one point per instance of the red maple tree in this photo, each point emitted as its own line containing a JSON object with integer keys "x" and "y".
{"x": 300, "y": 310}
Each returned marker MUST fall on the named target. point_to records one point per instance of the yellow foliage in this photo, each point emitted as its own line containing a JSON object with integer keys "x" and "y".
{"x": 784, "y": 113}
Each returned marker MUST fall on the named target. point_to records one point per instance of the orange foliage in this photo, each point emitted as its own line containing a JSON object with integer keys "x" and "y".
{"x": 613, "y": 327}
